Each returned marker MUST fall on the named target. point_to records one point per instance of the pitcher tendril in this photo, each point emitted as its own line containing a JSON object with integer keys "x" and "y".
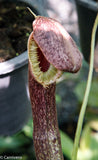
{"x": 87, "y": 91}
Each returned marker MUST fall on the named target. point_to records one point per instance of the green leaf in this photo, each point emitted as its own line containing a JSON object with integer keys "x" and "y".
{"x": 18, "y": 140}
{"x": 89, "y": 143}
{"x": 58, "y": 98}
{"x": 93, "y": 97}
{"x": 27, "y": 34}
{"x": 28, "y": 129}
{"x": 17, "y": 54}
{"x": 11, "y": 143}
{"x": 85, "y": 140}
{"x": 67, "y": 144}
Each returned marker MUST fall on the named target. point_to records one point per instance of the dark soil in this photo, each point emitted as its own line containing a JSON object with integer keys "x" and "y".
{"x": 15, "y": 27}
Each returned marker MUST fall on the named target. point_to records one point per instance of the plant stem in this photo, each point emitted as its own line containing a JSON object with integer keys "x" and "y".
{"x": 46, "y": 134}
{"x": 87, "y": 91}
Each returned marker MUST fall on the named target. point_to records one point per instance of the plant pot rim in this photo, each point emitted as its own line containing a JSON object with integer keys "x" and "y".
{"x": 89, "y": 4}
{"x": 14, "y": 63}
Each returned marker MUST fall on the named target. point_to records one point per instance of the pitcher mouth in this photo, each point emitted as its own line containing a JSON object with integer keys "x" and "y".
{"x": 44, "y": 72}
{"x": 43, "y": 63}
